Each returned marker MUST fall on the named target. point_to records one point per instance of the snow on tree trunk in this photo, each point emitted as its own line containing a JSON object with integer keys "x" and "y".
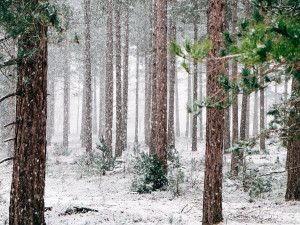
{"x": 171, "y": 131}
{"x": 293, "y": 151}
{"x": 161, "y": 80}
{"x": 109, "y": 77}
{"x": 195, "y": 94}
{"x": 118, "y": 149}
{"x": 28, "y": 178}
{"x": 212, "y": 194}
{"x": 125, "y": 80}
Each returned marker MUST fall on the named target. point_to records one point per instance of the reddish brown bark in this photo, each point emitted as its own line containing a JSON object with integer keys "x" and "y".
{"x": 28, "y": 179}
{"x": 161, "y": 89}
{"x": 293, "y": 151}
{"x": 212, "y": 195}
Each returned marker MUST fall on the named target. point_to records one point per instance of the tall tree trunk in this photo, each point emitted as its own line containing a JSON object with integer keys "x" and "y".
{"x": 248, "y": 117}
{"x": 161, "y": 89}
{"x": 262, "y": 143}
{"x": 293, "y": 151}
{"x": 177, "y": 104}
{"x": 235, "y": 103}
{"x": 88, "y": 77}
{"x": 125, "y": 80}
{"x": 171, "y": 131}
{"x": 149, "y": 81}
{"x": 195, "y": 94}
{"x": 51, "y": 110}
{"x": 189, "y": 102}
{"x": 154, "y": 85}
{"x": 102, "y": 79}
{"x": 212, "y": 194}
{"x": 243, "y": 117}
{"x": 83, "y": 112}
{"x": 28, "y": 178}
{"x": 285, "y": 90}
{"x": 118, "y": 149}
{"x": 200, "y": 99}
{"x": 109, "y": 88}
{"x": 255, "y": 114}
{"x": 66, "y": 99}
{"x": 95, "y": 106}
{"x": 136, "y": 133}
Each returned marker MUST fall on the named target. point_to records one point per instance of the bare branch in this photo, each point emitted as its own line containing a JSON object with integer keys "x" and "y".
{"x": 10, "y": 62}
{"x": 13, "y": 123}
{"x": 7, "y": 96}
{"x": 7, "y": 159}
{"x": 10, "y": 139}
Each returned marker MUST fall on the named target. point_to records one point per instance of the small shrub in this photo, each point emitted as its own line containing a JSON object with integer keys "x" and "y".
{"x": 148, "y": 173}
{"x": 60, "y": 150}
{"x": 98, "y": 162}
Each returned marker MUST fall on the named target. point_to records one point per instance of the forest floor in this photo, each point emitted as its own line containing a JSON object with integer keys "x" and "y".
{"x": 68, "y": 186}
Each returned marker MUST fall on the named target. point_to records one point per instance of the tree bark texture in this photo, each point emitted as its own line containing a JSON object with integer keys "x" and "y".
{"x": 200, "y": 99}
{"x": 177, "y": 105}
{"x": 212, "y": 194}
{"x": 28, "y": 178}
{"x": 161, "y": 89}
{"x": 154, "y": 85}
{"x": 293, "y": 151}
{"x": 109, "y": 77}
{"x": 189, "y": 102}
{"x": 195, "y": 94}
{"x": 125, "y": 80}
{"x": 235, "y": 103}
{"x": 88, "y": 77}
{"x": 118, "y": 149}
{"x": 102, "y": 79}
{"x": 262, "y": 143}
{"x": 255, "y": 114}
{"x": 95, "y": 125}
{"x": 171, "y": 130}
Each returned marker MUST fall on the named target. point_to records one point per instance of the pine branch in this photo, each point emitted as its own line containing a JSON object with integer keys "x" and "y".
{"x": 7, "y": 159}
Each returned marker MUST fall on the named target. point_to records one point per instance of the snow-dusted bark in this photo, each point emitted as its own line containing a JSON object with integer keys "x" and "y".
{"x": 118, "y": 149}
{"x": 195, "y": 94}
{"x": 136, "y": 131}
{"x": 109, "y": 76}
{"x": 212, "y": 194}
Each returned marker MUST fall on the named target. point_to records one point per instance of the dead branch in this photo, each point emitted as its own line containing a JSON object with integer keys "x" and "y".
{"x": 13, "y": 123}
{"x": 77, "y": 210}
{"x": 10, "y": 139}
{"x": 8, "y": 96}
{"x": 7, "y": 159}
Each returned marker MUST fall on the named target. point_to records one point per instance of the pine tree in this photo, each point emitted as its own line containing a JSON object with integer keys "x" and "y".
{"x": 212, "y": 194}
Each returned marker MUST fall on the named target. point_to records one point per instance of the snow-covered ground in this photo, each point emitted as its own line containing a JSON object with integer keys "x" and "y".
{"x": 111, "y": 195}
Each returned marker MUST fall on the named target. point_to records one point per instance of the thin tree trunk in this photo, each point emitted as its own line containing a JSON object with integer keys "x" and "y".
{"x": 161, "y": 89}
{"x": 171, "y": 131}
{"x": 262, "y": 143}
{"x": 28, "y": 178}
{"x": 66, "y": 106}
{"x": 149, "y": 81}
{"x": 154, "y": 85}
{"x": 118, "y": 149}
{"x": 195, "y": 94}
{"x": 177, "y": 104}
{"x": 88, "y": 77}
{"x": 285, "y": 90}
{"x": 109, "y": 78}
{"x": 95, "y": 106}
{"x": 248, "y": 117}
{"x": 235, "y": 103}
{"x": 136, "y": 139}
{"x": 255, "y": 114}
{"x": 125, "y": 80}
{"x": 212, "y": 194}
{"x": 200, "y": 99}
{"x": 102, "y": 79}
{"x": 189, "y": 101}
